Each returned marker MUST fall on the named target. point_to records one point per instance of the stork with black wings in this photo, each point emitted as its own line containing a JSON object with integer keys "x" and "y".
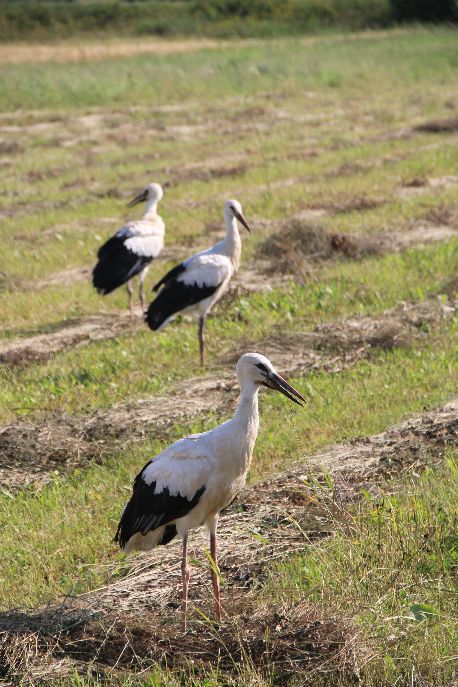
{"x": 201, "y": 280}
{"x": 190, "y": 483}
{"x": 130, "y": 251}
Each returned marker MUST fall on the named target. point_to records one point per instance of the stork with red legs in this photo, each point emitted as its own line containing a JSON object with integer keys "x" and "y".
{"x": 190, "y": 483}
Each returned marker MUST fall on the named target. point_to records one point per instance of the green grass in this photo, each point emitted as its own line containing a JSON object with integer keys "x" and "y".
{"x": 61, "y": 535}
{"x": 284, "y": 126}
{"x": 248, "y": 70}
{"x": 130, "y": 366}
{"x": 391, "y": 566}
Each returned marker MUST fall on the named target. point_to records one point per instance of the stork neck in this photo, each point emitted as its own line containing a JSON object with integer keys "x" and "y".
{"x": 233, "y": 243}
{"x": 248, "y": 403}
{"x": 150, "y": 208}
{"x": 246, "y": 425}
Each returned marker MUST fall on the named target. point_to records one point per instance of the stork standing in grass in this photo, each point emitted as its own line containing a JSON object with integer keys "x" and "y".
{"x": 130, "y": 251}
{"x": 189, "y": 483}
{"x": 200, "y": 281}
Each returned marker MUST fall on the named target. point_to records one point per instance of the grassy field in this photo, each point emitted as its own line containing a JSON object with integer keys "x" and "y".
{"x": 351, "y": 137}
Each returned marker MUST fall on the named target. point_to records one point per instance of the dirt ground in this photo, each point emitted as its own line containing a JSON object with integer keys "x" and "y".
{"x": 135, "y": 620}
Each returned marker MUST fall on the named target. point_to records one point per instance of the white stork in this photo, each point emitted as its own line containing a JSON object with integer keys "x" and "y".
{"x": 200, "y": 281}
{"x": 189, "y": 483}
{"x": 130, "y": 251}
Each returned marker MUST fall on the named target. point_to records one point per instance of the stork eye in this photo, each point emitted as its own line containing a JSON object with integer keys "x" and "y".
{"x": 262, "y": 367}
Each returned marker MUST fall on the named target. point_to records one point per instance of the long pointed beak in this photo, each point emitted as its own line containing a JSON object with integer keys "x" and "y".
{"x": 138, "y": 199}
{"x": 242, "y": 220}
{"x": 277, "y": 383}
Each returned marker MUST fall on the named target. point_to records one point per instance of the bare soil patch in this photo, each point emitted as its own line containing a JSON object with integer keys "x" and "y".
{"x": 63, "y": 278}
{"x": 32, "y": 451}
{"x": 135, "y": 620}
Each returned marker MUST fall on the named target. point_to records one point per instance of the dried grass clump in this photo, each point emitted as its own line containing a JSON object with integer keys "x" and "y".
{"x": 295, "y": 248}
{"x": 31, "y": 451}
{"x": 29, "y": 644}
{"x": 444, "y": 215}
{"x": 295, "y": 640}
{"x": 365, "y": 332}
{"x": 439, "y": 126}
{"x": 392, "y": 329}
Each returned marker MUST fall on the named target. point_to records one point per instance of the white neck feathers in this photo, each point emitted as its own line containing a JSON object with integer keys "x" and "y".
{"x": 150, "y": 208}
{"x": 232, "y": 244}
{"x": 246, "y": 422}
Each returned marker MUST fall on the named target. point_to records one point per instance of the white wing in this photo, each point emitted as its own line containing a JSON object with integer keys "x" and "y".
{"x": 183, "y": 468}
{"x": 206, "y": 269}
{"x": 144, "y": 238}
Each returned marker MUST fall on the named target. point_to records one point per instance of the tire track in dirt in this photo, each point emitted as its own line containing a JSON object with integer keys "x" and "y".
{"x": 267, "y": 523}
{"x": 32, "y": 450}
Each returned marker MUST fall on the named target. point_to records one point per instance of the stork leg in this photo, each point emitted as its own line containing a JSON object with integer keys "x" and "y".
{"x": 142, "y": 290}
{"x": 185, "y": 573}
{"x": 201, "y": 339}
{"x": 129, "y": 291}
{"x": 215, "y": 571}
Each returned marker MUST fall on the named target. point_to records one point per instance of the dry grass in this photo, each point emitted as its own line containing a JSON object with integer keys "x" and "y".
{"x": 439, "y": 126}
{"x": 297, "y": 247}
{"x": 19, "y": 53}
{"x": 280, "y": 642}
{"x": 32, "y": 450}
{"x": 134, "y": 622}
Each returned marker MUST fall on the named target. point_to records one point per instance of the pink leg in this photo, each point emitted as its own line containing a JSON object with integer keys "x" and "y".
{"x": 215, "y": 579}
{"x": 185, "y": 576}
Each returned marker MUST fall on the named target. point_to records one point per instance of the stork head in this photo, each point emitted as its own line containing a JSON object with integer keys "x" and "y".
{"x": 151, "y": 193}
{"x": 259, "y": 370}
{"x": 232, "y": 208}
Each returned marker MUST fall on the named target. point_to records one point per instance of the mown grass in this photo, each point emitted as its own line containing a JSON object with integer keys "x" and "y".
{"x": 144, "y": 363}
{"x": 302, "y": 125}
{"x": 61, "y": 535}
{"x": 392, "y": 567}
{"x": 291, "y": 66}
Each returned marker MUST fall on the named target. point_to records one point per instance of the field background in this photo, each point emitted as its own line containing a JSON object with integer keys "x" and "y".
{"x": 55, "y": 19}
{"x": 342, "y": 150}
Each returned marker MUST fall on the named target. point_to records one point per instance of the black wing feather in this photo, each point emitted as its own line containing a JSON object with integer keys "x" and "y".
{"x": 171, "y": 274}
{"x": 146, "y": 511}
{"x": 174, "y": 297}
{"x": 116, "y": 265}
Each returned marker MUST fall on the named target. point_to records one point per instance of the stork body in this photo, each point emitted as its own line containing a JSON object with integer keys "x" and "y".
{"x": 130, "y": 251}
{"x": 200, "y": 281}
{"x": 189, "y": 483}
